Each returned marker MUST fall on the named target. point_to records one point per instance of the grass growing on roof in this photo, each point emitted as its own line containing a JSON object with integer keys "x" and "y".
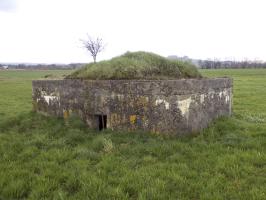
{"x": 137, "y": 65}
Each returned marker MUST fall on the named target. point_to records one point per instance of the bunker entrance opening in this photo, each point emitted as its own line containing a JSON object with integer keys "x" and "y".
{"x": 102, "y": 122}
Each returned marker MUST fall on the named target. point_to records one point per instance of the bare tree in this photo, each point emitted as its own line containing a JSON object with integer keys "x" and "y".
{"x": 94, "y": 46}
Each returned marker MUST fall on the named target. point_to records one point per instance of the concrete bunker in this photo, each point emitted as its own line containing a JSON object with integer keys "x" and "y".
{"x": 137, "y": 91}
{"x": 160, "y": 106}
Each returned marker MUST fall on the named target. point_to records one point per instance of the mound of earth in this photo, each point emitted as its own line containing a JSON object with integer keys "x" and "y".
{"x": 137, "y": 65}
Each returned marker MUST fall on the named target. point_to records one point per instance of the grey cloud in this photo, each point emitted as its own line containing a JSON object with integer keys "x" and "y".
{"x": 7, "y": 5}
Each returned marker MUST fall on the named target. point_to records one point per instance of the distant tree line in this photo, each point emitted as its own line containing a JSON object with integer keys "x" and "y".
{"x": 217, "y": 64}
{"x": 44, "y": 66}
{"x": 210, "y": 64}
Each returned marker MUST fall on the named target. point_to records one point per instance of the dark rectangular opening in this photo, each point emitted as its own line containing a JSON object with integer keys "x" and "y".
{"x": 102, "y": 122}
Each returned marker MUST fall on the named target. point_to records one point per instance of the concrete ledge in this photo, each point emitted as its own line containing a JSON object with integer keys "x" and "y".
{"x": 163, "y": 106}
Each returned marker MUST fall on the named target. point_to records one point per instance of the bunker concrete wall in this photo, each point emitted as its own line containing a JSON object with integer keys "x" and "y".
{"x": 163, "y": 106}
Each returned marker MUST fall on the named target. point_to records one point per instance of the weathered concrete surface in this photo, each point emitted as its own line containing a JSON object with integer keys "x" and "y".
{"x": 163, "y": 106}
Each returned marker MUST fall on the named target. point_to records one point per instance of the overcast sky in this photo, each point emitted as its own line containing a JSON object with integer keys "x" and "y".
{"x": 50, "y": 30}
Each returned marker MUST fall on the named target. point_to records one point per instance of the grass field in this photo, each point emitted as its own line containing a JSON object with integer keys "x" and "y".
{"x": 44, "y": 158}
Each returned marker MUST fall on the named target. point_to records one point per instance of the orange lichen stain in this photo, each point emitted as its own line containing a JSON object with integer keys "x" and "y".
{"x": 142, "y": 101}
{"x": 132, "y": 119}
{"x": 115, "y": 119}
{"x": 66, "y": 114}
{"x": 112, "y": 118}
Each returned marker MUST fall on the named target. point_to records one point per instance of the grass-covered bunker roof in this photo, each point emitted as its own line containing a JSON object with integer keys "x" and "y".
{"x": 137, "y": 65}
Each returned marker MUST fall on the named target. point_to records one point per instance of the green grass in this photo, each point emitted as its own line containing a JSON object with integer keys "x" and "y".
{"x": 137, "y": 65}
{"x": 46, "y": 158}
